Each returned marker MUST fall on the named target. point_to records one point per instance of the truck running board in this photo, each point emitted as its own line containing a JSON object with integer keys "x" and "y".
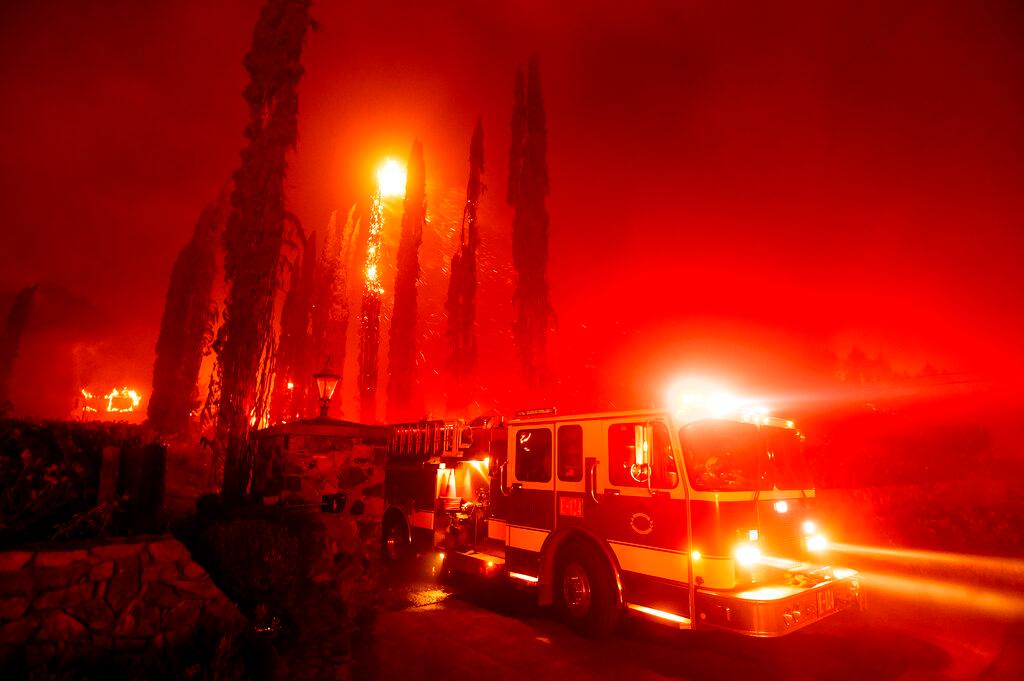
{"x": 474, "y": 562}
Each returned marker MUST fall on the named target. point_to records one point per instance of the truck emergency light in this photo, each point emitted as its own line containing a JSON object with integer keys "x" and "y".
{"x": 693, "y": 399}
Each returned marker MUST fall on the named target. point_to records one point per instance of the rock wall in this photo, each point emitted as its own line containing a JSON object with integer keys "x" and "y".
{"x": 132, "y": 598}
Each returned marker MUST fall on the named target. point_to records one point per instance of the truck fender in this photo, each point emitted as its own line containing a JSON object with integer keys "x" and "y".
{"x": 549, "y": 553}
{"x": 396, "y": 513}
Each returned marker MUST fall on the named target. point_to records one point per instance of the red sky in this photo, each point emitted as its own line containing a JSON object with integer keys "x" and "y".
{"x": 743, "y": 189}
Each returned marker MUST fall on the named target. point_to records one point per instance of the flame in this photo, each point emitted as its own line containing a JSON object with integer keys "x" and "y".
{"x": 122, "y": 400}
{"x": 124, "y": 394}
{"x": 373, "y": 247}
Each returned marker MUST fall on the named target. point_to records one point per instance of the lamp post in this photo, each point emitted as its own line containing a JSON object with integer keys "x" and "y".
{"x": 326, "y": 381}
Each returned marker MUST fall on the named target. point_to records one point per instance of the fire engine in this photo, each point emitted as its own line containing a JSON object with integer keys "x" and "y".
{"x": 699, "y": 518}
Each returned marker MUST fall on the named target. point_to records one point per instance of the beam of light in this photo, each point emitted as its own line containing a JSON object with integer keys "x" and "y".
{"x": 953, "y": 595}
{"x": 1006, "y": 568}
{"x": 391, "y": 178}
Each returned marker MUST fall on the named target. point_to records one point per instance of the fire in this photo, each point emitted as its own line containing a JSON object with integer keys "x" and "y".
{"x": 122, "y": 400}
{"x": 86, "y": 395}
{"x": 127, "y": 400}
{"x": 373, "y": 246}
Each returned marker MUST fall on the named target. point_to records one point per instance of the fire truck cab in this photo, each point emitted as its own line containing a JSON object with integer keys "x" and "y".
{"x": 699, "y": 521}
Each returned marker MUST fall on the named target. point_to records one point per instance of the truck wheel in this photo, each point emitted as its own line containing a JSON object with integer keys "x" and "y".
{"x": 394, "y": 541}
{"x": 585, "y": 592}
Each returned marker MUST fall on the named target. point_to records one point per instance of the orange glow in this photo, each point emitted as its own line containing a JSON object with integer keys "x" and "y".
{"x": 1007, "y": 604}
{"x": 767, "y": 593}
{"x": 694, "y": 398}
{"x": 781, "y": 506}
{"x": 747, "y": 554}
{"x": 660, "y": 614}
{"x": 371, "y": 270}
{"x": 524, "y": 578}
{"x": 121, "y": 401}
{"x": 999, "y": 567}
{"x": 391, "y": 179}
{"x": 817, "y": 543}
{"x": 291, "y": 385}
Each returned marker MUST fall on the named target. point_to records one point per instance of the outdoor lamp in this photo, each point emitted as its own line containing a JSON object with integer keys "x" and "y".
{"x": 326, "y": 381}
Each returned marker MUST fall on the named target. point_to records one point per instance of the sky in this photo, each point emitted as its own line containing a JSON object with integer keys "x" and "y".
{"x": 746, "y": 190}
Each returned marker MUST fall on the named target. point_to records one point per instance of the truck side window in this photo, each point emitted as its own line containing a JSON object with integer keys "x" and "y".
{"x": 533, "y": 455}
{"x": 570, "y": 453}
{"x": 622, "y": 455}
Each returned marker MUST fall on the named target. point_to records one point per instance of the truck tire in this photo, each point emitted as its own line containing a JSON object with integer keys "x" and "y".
{"x": 585, "y": 592}
{"x": 394, "y": 541}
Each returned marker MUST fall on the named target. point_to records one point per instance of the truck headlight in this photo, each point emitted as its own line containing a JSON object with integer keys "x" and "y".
{"x": 817, "y": 543}
{"x": 747, "y": 554}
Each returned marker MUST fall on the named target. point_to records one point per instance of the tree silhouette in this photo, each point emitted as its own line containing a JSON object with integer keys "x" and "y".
{"x": 461, "y": 303}
{"x": 402, "y": 345}
{"x": 10, "y": 341}
{"x": 254, "y": 236}
{"x": 187, "y": 326}
{"x": 527, "y": 189}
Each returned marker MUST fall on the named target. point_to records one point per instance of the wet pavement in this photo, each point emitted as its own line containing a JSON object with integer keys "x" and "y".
{"x": 429, "y": 629}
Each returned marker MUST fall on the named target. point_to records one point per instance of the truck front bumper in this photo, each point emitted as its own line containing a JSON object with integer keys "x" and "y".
{"x": 775, "y": 610}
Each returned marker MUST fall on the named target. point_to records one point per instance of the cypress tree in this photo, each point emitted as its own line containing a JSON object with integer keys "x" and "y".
{"x": 186, "y": 329}
{"x": 461, "y": 303}
{"x": 254, "y": 236}
{"x": 527, "y": 189}
{"x": 402, "y": 346}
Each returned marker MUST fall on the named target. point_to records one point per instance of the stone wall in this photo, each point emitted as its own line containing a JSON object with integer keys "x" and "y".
{"x": 131, "y": 598}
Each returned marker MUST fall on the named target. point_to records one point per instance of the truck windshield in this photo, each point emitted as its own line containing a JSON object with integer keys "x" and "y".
{"x": 724, "y": 455}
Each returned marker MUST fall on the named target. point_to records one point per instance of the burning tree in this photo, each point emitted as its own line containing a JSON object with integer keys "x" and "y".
{"x": 330, "y": 312}
{"x": 527, "y": 189}
{"x": 461, "y": 303}
{"x": 402, "y": 347}
{"x": 254, "y": 235}
{"x": 187, "y": 327}
{"x": 369, "y": 316}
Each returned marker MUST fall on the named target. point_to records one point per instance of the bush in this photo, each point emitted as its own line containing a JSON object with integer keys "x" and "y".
{"x": 48, "y": 474}
{"x": 255, "y": 554}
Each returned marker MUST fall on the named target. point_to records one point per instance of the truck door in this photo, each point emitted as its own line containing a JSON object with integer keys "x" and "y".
{"x": 531, "y": 494}
{"x": 642, "y": 514}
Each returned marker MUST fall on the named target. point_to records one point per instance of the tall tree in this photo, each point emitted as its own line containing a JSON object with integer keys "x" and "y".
{"x": 402, "y": 346}
{"x": 527, "y": 189}
{"x": 291, "y": 382}
{"x": 10, "y": 340}
{"x": 254, "y": 235}
{"x": 330, "y": 313}
{"x": 461, "y": 303}
{"x": 186, "y": 330}
{"x": 369, "y": 316}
